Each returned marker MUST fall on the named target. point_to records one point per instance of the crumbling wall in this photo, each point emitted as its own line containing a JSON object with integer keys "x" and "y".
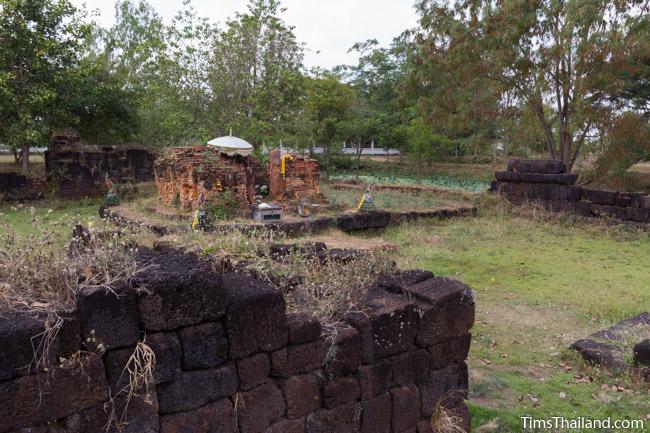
{"x": 78, "y": 170}
{"x": 182, "y": 173}
{"x": 230, "y": 359}
{"x": 301, "y": 180}
{"x": 547, "y": 183}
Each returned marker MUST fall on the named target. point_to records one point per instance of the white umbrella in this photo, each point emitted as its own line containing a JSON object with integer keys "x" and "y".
{"x": 232, "y": 145}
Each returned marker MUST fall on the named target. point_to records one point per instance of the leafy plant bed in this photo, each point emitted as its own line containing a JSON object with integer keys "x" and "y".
{"x": 442, "y": 181}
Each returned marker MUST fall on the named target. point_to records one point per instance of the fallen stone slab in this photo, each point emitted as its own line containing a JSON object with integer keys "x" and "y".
{"x": 559, "y": 179}
{"x": 642, "y": 353}
{"x": 595, "y": 352}
{"x": 537, "y": 166}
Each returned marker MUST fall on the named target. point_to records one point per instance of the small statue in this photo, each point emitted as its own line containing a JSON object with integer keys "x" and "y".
{"x": 111, "y": 198}
{"x": 366, "y": 204}
{"x": 201, "y": 220}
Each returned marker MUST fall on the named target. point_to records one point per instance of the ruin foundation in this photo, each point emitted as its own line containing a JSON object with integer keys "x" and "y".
{"x": 547, "y": 183}
{"x": 230, "y": 359}
{"x": 183, "y": 173}
{"x": 300, "y": 181}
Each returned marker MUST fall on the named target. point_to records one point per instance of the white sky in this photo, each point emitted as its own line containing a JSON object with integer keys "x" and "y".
{"x": 328, "y": 26}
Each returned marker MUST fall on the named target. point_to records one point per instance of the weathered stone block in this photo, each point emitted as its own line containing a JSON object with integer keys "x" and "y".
{"x": 513, "y": 176}
{"x": 181, "y": 291}
{"x": 303, "y": 328}
{"x": 644, "y": 202}
{"x": 599, "y": 196}
{"x": 344, "y": 351}
{"x": 253, "y": 371}
{"x": 168, "y": 355}
{"x": 204, "y": 346}
{"x": 388, "y": 327}
{"x": 215, "y": 417}
{"x": 642, "y": 353}
{"x": 26, "y": 401}
{"x": 446, "y": 309}
{"x": 450, "y": 351}
{"x": 301, "y": 394}
{"x": 407, "y": 367}
{"x": 21, "y": 336}
{"x": 287, "y": 426}
{"x": 424, "y": 427}
{"x": 536, "y": 166}
{"x": 256, "y": 318}
{"x": 258, "y": 408}
{"x": 193, "y": 389}
{"x": 406, "y": 408}
{"x": 141, "y": 416}
{"x": 341, "y": 419}
{"x": 397, "y": 282}
{"x": 340, "y": 390}
{"x": 450, "y": 382}
{"x": 376, "y": 414}
{"x": 374, "y": 379}
{"x": 108, "y": 316}
{"x": 296, "y": 359}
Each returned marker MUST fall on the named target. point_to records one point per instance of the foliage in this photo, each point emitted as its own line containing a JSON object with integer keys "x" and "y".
{"x": 628, "y": 142}
{"x": 223, "y": 206}
{"x": 39, "y": 45}
{"x": 555, "y": 57}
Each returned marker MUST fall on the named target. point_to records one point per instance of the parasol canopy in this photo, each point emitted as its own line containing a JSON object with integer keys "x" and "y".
{"x": 232, "y": 145}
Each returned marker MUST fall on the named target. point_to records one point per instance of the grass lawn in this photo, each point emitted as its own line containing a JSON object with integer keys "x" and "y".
{"x": 540, "y": 286}
{"x": 31, "y": 218}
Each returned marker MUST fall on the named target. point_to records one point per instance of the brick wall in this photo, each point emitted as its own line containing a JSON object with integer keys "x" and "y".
{"x": 79, "y": 171}
{"x": 183, "y": 172}
{"x": 230, "y": 359}
{"x": 548, "y": 184}
{"x": 300, "y": 182}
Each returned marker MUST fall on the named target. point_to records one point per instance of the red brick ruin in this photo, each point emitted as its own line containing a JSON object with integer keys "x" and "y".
{"x": 182, "y": 173}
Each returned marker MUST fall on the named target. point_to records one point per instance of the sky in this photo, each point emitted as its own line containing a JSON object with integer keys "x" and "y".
{"x": 327, "y": 27}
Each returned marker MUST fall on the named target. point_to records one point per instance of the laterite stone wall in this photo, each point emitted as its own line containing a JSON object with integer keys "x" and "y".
{"x": 230, "y": 359}
{"x": 548, "y": 183}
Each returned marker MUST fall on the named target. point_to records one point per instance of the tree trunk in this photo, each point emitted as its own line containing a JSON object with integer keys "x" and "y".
{"x": 24, "y": 151}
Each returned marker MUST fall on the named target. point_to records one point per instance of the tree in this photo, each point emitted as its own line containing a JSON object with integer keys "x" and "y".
{"x": 549, "y": 54}
{"x": 255, "y": 75}
{"x": 40, "y": 42}
{"x": 328, "y": 103}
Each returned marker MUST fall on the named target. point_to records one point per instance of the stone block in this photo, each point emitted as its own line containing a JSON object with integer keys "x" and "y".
{"x": 407, "y": 367}
{"x": 215, "y": 417}
{"x": 513, "y": 176}
{"x": 259, "y": 407}
{"x": 287, "y": 426}
{"x": 640, "y": 215}
{"x": 450, "y": 382}
{"x": 341, "y": 419}
{"x": 21, "y": 338}
{"x": 642, "y": 353}
{"x": 446, "y": 309}
{"x": 194, "y": 389}
{"x": 299, "y": 358}
{"x": 374, "y": 379}
{"x": 397, "y": 282}
{"x": 388, "y": 326}
{"x": 303, "y": 328}
{"x": 376, "y": 414}
{"x": 644, "y": 202}
{"x": 27, "y": 401}
{"x": 340, "y": 390}
{"x": 141, "y": 416}
{"x": 204, "y": 346}
{"x": 115, "y": 362}
{"x": 301, "y": 394}
{"x": 256, "y": 317}
{"x": 344, "y": 351}
{"x": 450, "y": 351}
{"x": 168, "y": 355}
{"x": 599, "y": 196}
{"x": 253, "y": 371}
{"x": 406, "y": 408}
{"x": 424, "y": 427}
{"x": 108, "y": 316}
{"x": 181, "y": 291}
{"x": 537, "y": 166}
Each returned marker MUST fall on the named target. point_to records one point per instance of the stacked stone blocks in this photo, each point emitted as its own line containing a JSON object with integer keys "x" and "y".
{"x": 230, "y": 359}
{"x": 548, "y": 184}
